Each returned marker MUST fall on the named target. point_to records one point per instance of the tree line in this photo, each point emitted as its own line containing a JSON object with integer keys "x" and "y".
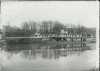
{"x": 47, "y": 28}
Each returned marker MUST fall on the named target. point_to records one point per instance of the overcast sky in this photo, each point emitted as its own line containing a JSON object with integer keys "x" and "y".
{"x": 84, "y": 13}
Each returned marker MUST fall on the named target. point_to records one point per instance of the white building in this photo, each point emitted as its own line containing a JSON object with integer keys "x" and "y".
{"x": 63, "y": 32}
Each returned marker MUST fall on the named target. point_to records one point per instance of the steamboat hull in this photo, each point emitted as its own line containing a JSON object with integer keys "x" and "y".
{"x": 50, "y": 41}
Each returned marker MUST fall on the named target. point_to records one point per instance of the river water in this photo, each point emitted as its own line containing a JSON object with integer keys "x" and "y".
{"x": 48, "y": 57}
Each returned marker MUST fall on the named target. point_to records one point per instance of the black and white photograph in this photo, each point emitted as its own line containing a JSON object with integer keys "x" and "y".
{"x": 49, "y": 35}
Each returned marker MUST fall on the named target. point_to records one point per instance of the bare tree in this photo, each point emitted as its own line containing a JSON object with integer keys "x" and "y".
{"x": 45, "y": 27}
{"x": 57, "y": 27}
{"x": 25, "y": 26}
{"x": 33, "y": 26}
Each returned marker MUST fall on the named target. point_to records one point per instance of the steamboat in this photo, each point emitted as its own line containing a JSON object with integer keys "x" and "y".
{"x": 50, "y": 39}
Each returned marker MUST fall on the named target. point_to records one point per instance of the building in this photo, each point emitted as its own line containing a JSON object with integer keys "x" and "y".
{"x": 63, "y": 32}
{"x": 6, "y": 28}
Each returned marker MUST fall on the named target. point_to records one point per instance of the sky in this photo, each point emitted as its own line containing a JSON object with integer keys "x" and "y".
{"x": 85, "y": 13}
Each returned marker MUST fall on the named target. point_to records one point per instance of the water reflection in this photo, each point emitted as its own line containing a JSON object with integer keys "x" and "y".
{"x": 40, "y": 46}
{"x": 45, "y": 57}
{"x": 47, "y": 52}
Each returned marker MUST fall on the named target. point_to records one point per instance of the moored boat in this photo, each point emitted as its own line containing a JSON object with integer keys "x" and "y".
{"x": 48, "y": 40}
